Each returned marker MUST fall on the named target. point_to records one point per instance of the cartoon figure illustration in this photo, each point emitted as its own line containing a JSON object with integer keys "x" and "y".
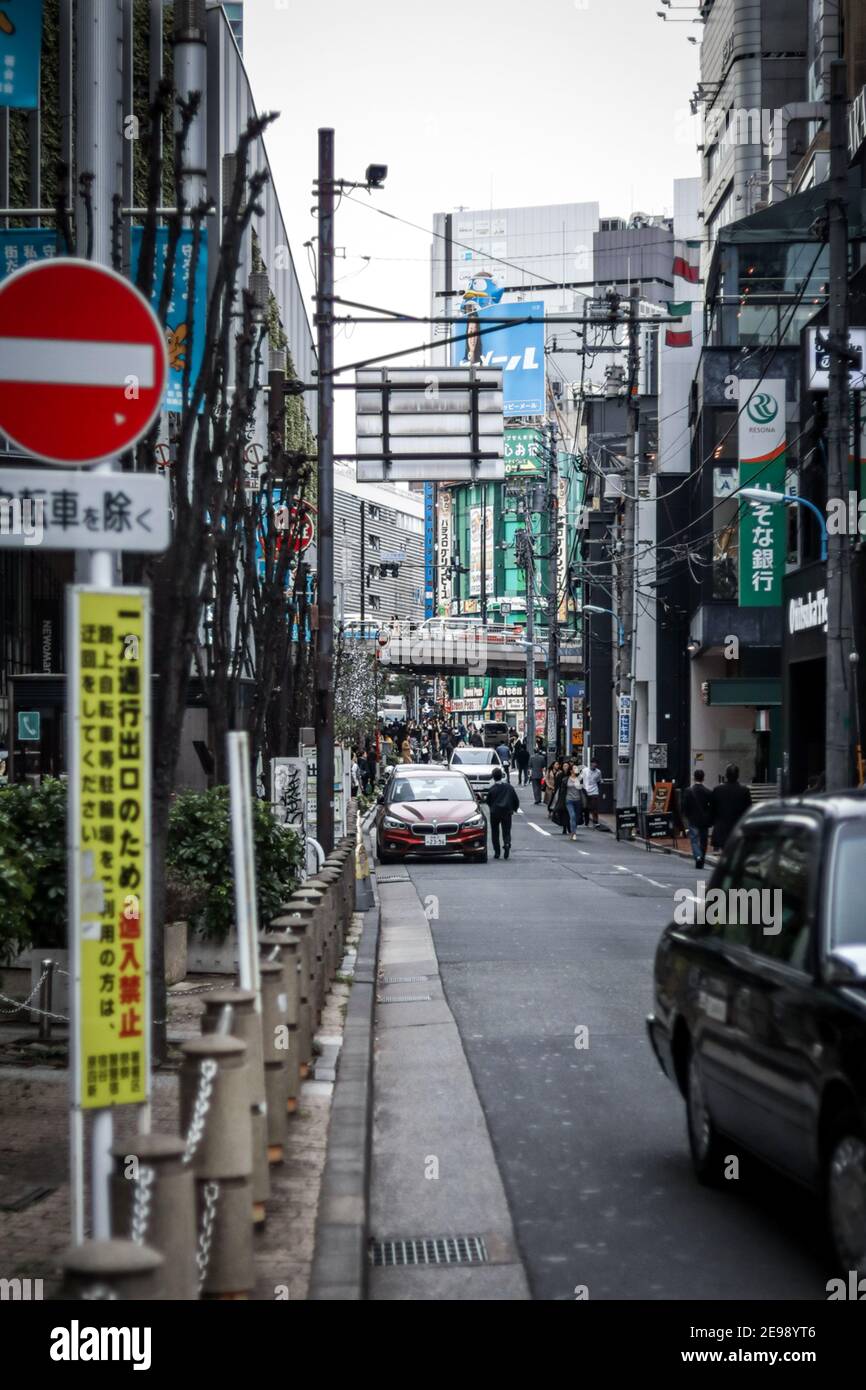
{"x": 177, "y": 345}
{"x": 480, "y": 293}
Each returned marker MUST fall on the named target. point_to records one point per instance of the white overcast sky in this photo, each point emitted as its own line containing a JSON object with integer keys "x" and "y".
{"x": 511, "y": 104}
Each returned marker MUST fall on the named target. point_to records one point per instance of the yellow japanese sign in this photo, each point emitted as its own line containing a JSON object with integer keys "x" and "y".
{"x": 109, "y": 808}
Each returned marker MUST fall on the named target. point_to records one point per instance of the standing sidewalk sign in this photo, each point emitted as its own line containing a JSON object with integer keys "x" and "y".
{"x": 109, "y": 820}
{"x": 82, "y": 372}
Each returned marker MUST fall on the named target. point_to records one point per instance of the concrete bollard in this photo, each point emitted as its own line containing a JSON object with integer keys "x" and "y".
{"x": 246, "y": 1024}
{"x": 324, "y": 884}
{"x": 215, "y": 1117}
{"x": 309, "y": 902}
{"x": 298, "y": 921}
{"x": 332, "y": 875}
{"x": 153, "y": 1200}
{"x": 274, "y": 1026}
{"x": 106, "y": 1270}
{"x": 285, "y": 947}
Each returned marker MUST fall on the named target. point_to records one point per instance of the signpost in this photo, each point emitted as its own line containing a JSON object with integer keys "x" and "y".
{"x": 83, "y": 368}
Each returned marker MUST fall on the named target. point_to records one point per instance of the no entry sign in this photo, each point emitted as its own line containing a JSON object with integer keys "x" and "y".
{"x": 82, "y": 362}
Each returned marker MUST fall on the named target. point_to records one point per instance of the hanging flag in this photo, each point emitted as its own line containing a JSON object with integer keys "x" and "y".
{"x": 679, "y": 308}
{"x": 675, "y": 338}
{"x": 687, "y": 261}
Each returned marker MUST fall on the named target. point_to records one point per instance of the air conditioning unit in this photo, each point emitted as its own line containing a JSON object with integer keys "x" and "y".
{"x": 614, "y": 485}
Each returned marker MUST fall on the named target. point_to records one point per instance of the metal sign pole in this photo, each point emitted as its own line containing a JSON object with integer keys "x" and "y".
{"x": 243, "y": 859}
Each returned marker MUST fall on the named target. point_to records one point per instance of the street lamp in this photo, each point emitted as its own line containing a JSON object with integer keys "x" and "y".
{"x": 759, "y": 494}
{"x": 595, "y": 608}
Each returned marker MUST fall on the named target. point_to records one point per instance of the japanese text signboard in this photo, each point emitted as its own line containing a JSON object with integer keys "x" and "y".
{"x": 109, "y": 843}
{"x": 762, "y": 444}
{"x": 20, "y": 51}
{"x": 72, "y": 510}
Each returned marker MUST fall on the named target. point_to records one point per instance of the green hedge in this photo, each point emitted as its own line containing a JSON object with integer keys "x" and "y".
{"x": 33, "y": 862}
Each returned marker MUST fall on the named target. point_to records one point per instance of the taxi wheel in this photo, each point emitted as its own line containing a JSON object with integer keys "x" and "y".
{"x": 704, "y": 1142}
{"x": 845, "y": 1193}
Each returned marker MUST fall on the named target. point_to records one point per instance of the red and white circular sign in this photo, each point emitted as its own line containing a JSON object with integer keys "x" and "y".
{"x": 302, "y": 534}
{"x": 83, "y": 362}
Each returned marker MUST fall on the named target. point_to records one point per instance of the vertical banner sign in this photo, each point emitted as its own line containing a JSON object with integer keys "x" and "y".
{"x": 180, "y": 349}
{"x": 20, "y": 46}
{"x": 762, "y": 445}
{"x": 624, "y": 723}
{"x": 445, "y": 501}
{"x": 474, "y": 550}
{"x": 429, "y": 551}
{"x": 109, "y": 843}
{"x": 562, "y": 492}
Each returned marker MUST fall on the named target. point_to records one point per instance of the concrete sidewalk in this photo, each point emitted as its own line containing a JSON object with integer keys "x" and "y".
{"x": 434, "y": 1170}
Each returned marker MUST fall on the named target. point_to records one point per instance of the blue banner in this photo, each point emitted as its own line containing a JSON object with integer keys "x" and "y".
{"x": 517, "y": 349}
{"x": 180, "y": 349}
{"x": 20, "y": 46}
{"x": 429, "y": 550}
{"x": 22, "y": 246}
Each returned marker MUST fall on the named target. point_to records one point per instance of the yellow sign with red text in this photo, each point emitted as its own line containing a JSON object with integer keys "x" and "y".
{"x": 110, "y": 843}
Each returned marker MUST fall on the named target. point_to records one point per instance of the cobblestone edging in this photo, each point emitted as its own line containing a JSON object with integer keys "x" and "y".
{"x": 340, "y": 1259}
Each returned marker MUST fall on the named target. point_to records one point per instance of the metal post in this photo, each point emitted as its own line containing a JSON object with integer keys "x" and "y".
{"x": 553, "y": 595}
{"x": 623, "y": 781}
{"x": 483, "y": 553}
{"x": 325, "y": 642}
{"x": 363, "y": 565}
{"x": 840, "y": 678}
{"x": 530, "y": 629}
{"x": 46, "y": 997}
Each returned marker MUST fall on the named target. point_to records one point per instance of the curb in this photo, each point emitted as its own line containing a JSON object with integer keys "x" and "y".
{"x": 340, "y": 1268}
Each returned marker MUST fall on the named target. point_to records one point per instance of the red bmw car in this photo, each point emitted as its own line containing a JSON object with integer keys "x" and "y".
{"x": 429, "y": 810}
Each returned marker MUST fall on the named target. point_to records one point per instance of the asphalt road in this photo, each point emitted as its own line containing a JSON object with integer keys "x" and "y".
{"x": 590, "y": 1140}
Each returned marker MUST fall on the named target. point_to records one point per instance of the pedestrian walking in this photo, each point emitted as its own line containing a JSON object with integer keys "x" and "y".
{"x": 521, "y": 758}
{"x": 550, "y": 778}
{"x": 475, "y": 739}
{"x": 504, "y": 753}
{"x": 592, "y": 787}
{"x": 698, "y": 811}
{"x": 574, "y": 799}
{"x": 537, "y": 764}
{"x": 729, "y": 800}
{"x": 502, "y": 802}
{"x": 558, "y": 808}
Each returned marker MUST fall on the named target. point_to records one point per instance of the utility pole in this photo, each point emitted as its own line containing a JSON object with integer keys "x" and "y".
{"x": 553, "y": 595}
{"x": 626, "y": 568}
{"x": 841, "y": 679}
{"x": 529, "y": 561}
{"x": 363, "y": 566}
{"x": 484, "y": 554}
{"x": 325, "y": 476}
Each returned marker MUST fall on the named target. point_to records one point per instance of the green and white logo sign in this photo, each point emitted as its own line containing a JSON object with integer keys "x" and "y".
{"x": 762, "y": 445}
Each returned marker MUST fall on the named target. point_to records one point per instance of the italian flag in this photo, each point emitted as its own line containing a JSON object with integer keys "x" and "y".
{"x": 674, "y": 337}
{"x": 687, "y": 261}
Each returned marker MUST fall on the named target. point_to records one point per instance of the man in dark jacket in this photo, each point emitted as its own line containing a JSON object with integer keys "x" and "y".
{"x": 698, "y": 811}
{"x": 502, "y": 802}
{"x": 521, "y": 758}
{"x": 729, "y": 801}
{"x": 537, "y": 767}
{"x": 475, "y": 739}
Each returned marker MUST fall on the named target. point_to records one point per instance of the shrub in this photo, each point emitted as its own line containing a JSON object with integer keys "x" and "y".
{"x": 32, "y": 866}
{"x": 199, "y": 850}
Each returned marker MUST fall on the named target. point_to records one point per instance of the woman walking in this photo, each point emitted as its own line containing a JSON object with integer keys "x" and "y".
{"x": 558, "y": 803}
{"x": 550, "y": 777}
{"x": 574, "y": 798}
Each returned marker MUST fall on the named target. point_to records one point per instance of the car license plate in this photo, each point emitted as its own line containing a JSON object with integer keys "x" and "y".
{"x": 431, "y": 841}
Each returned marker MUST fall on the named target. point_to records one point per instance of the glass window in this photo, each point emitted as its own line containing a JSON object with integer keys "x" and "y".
{"x": 783, "y": 933}
{"x": 848, "y": 913}
{"x": 427, "y": 788}
{"x": 748, "y": 872}
{"x": 475, "y": 755}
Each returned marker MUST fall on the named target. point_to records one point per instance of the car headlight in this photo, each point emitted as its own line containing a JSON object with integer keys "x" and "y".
{"x": 391, "y": 823}
{"x": 473, "y": 821}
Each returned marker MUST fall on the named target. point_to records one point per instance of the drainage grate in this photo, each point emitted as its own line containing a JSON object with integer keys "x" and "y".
{"x": 404, "y": 980}
{"x": 407, "y": 999}
{"x": 390, "y": 876}
{"x": 434, "y": 1250}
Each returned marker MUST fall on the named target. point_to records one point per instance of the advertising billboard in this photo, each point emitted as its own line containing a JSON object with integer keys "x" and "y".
{"x": 762, "y": 445}
{"x": 517, "y": 348}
